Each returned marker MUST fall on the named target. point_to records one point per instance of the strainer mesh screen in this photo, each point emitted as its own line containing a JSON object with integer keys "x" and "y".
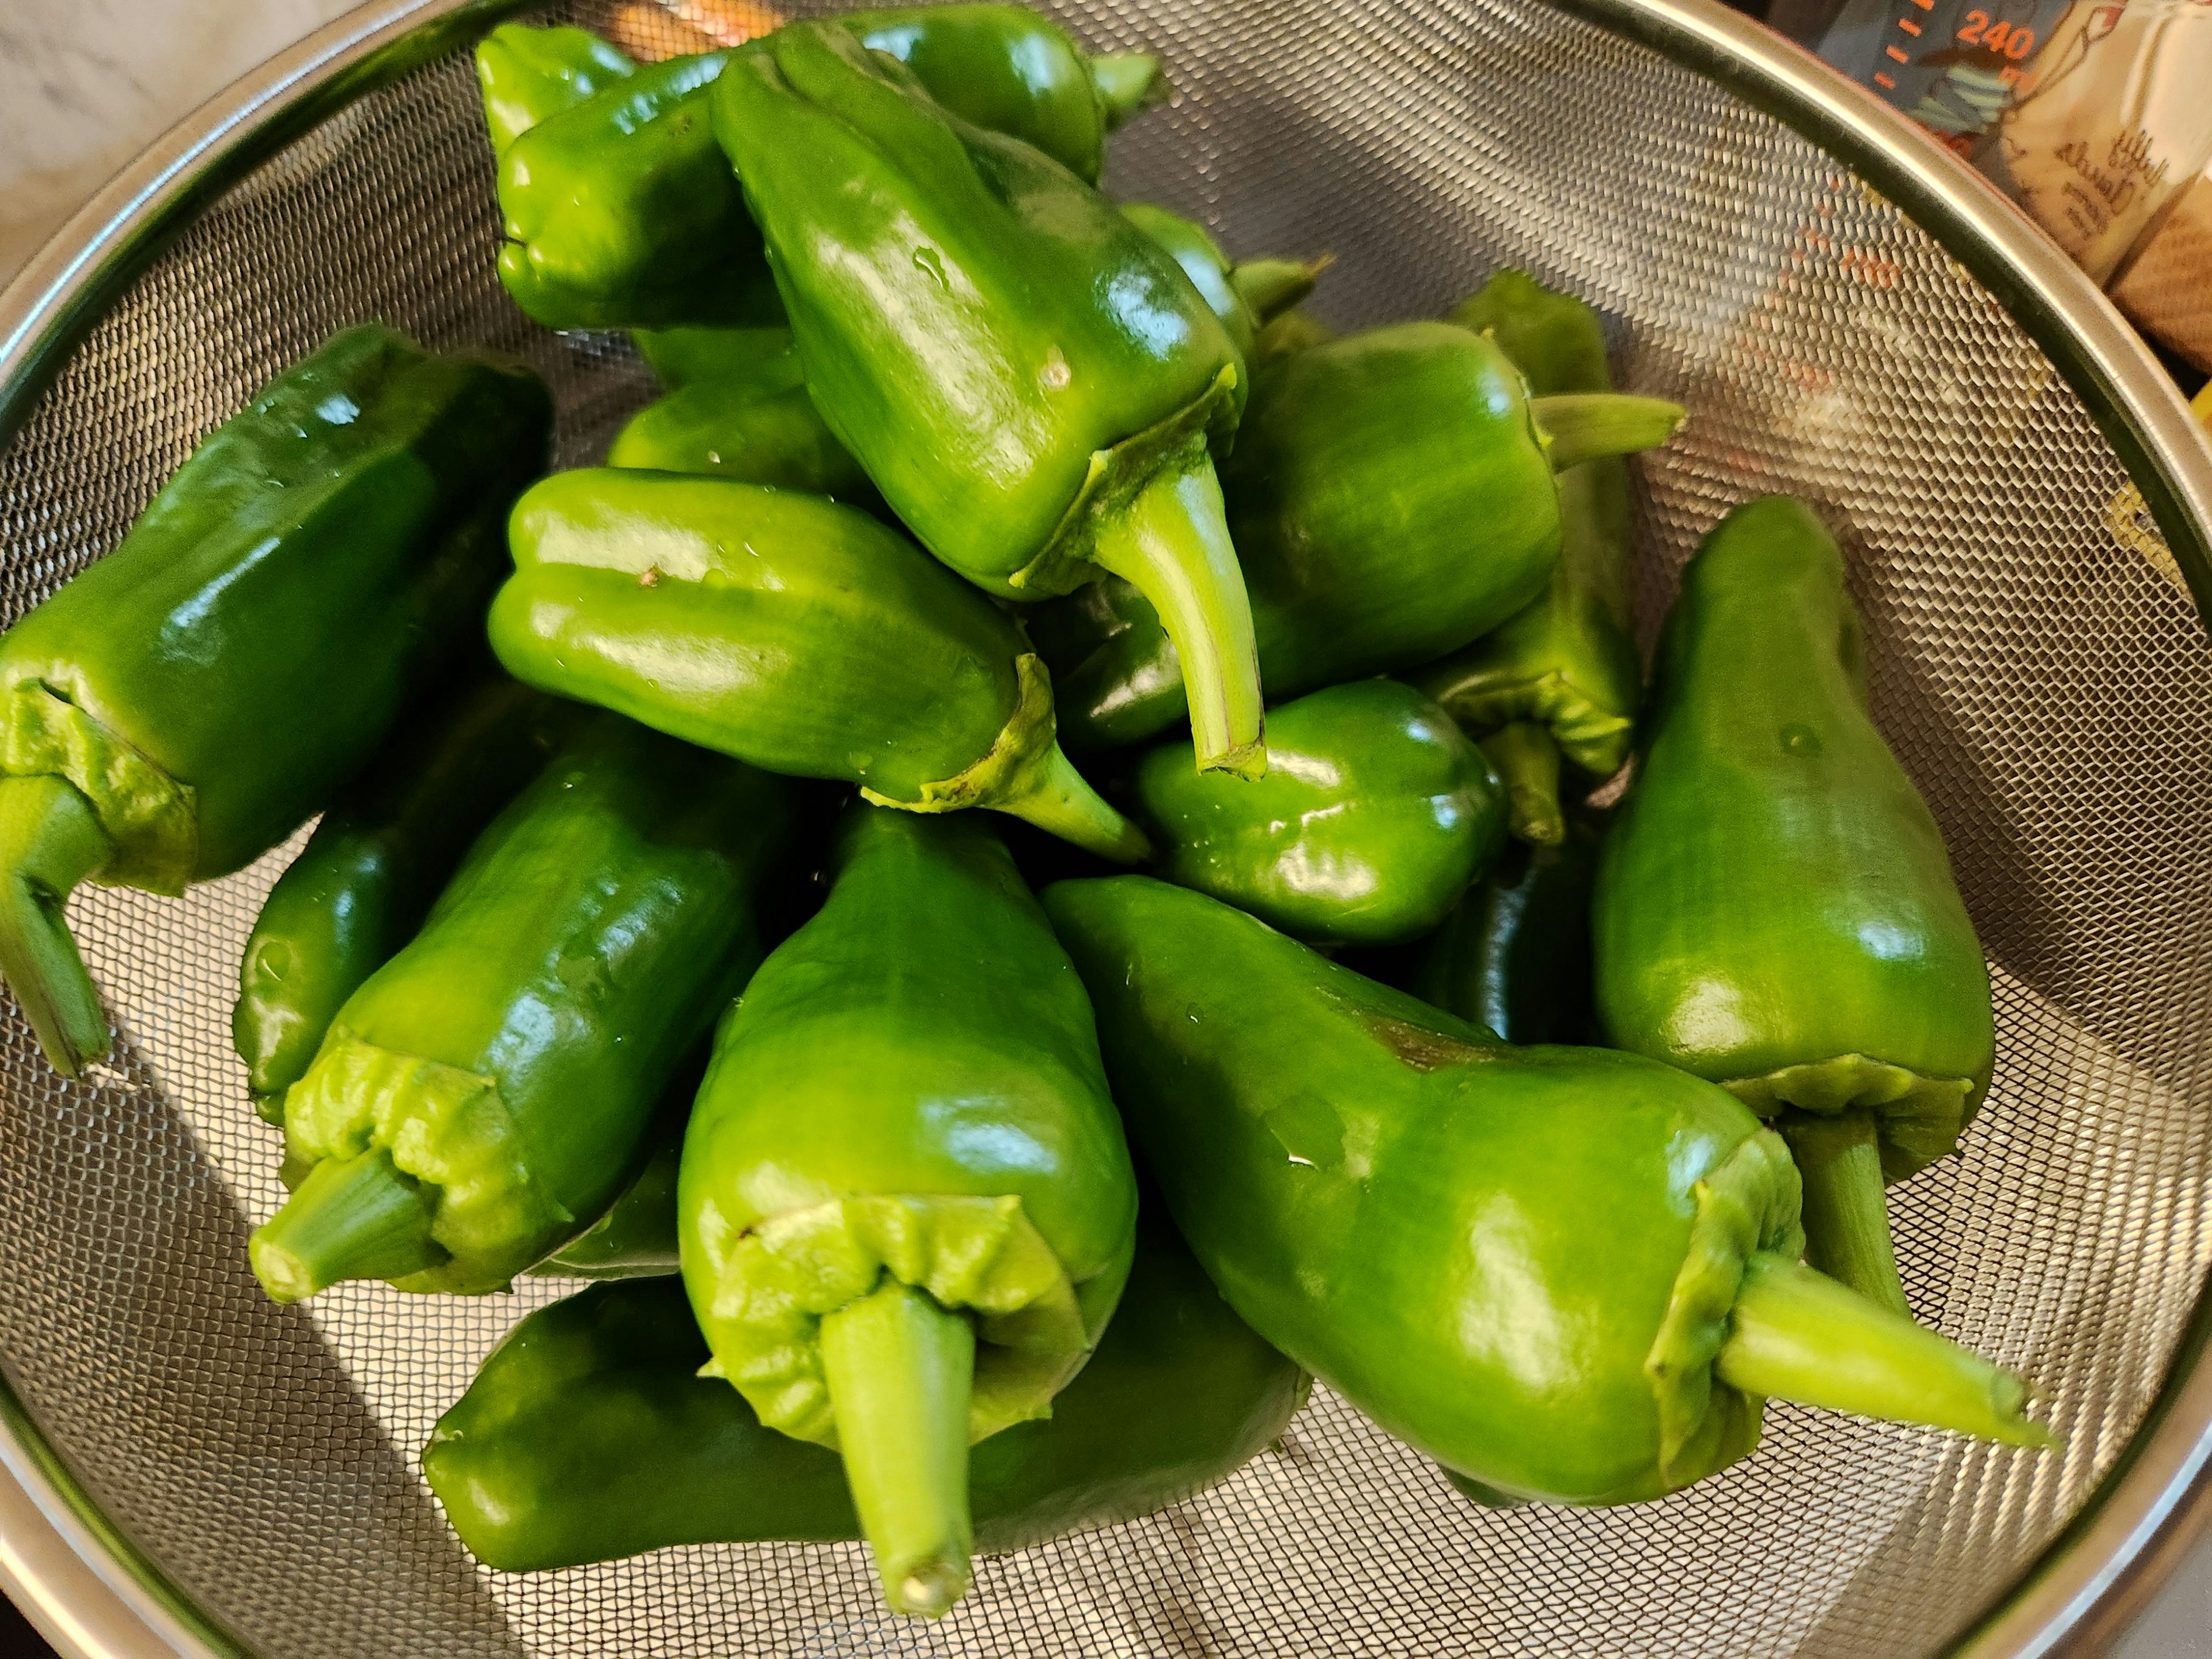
{"x": 2045, "y": 684}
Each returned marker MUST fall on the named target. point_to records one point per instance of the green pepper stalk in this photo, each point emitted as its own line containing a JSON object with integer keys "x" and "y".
{"x": 484, "y": 1096}
{"x": 1033, "y": 383}
{"x": 1568, "y": 1273}
{"x": 1514, "y": 955}
{"x": 1391, "y": 497}
{"x": 1775, "y": 910}
{"x": 1375, "y": 813}
{"x": 906, "y": 1208}
{"x": 1293, "y": 331}
{"x": 383, "y": 852}
{"x": 528, "y": 74}
{"x": 1562, "y": 677}
{"x": 754, "y": 422}
{"x": 800, "y": 635}
{"x": 185, "y": 704}
{"x": 620, "y": 212}
{"x": 589, "y": 1436}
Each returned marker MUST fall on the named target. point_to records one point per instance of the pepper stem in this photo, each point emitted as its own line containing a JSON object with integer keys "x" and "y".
{"x": 354, "y": 1218}
{"x": 1846, "y": 1220}
{"x": 50, "y": 841}
{"x": 1583, "y": 426}
{"x": 1798, "y": 1335}
{"x": 1527, "y": 760}
{"x": 1271, "y": 287}
{"x": 1171, "y": 543}
{"x": 1127, "y": 84}
{"x": 899, "y": 1369}
{"x": 1057, "y": 798}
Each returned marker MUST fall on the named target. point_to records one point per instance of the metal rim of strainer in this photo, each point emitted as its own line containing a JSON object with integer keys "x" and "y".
{"x": 98, "y": 1595}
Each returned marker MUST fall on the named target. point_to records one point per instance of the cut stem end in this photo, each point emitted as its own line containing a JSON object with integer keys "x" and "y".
{"x": 1059, "y": 800}
{"x": 50, "y": 841}
{"x": 1528, "y": 762}
{"x": 1171, "y": 543}
{"x": 900, "y": 1370}
{"x": 1127, "y": 84}
{"x": 355, "y": 1218}
{"x": 1798, "y": 1335}
{"x": 1583, "y": 426}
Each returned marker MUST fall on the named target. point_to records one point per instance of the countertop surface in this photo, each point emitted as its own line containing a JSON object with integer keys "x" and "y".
{"x": 86, "y": 84}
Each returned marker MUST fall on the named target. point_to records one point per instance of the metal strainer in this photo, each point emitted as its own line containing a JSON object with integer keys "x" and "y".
{"x": 1966, "y": 409}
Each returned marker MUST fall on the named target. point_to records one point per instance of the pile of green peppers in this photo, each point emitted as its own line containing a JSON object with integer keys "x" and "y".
{"x": 657, "y": 945}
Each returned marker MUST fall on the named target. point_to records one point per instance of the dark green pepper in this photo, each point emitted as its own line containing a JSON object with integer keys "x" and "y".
{"x": 620, "y": 212}
{"x": 754, "y": 422}
{"x": 798, "y": 634}
{"x": 1562, "y": 677}
{"x": 1375, "y": 813}
{"x": 1391, "y": 497}
{"x": 528, "y": 74}
{"x": 1568, "y": 1274}
{"x": 188, "y": 702}
{"x": 483, "y": 1098}
{"x": 1774, "y": 909}
{"x": 383, "y": 852}
{"x": 588, "y": 1434}
{"x": 636, "y": 1237}
{"x": 1514, "y": 955}
{"x": 1032, "y": 382}
{"x": 906, "y": 1209}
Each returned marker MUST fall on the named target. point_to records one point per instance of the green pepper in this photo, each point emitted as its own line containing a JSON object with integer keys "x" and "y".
{"x": 798, "y": 634}
{"x": 1292, "y": 331}
{"x": 1562, "y": 677}
{"x": 620, "y": 212}
{"x": 188, "y": 702}
{"x": 906, "y": 1208}
{"x": 636, "y": 1237}
{"x": 1244, "y": 297}
{"x": 482, "y": 1099}
{"x": 588, "y": 1434}
{"x": 751, "y": 355}
{"x": 1568, "y": 1273}
{"x": 1514, "y": 955}
{"x": 366, "y": 877}
{"x": 757, "y": 424}
{"x": 1391, "y": 497}
{"x": 1032, "y": 382}
{"x": 1774, "y": 909}
{"x": 528, "y": 74}
{"x": 1375, "y": 813}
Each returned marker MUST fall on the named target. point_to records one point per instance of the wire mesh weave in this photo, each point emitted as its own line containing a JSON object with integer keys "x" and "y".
{"x": 2047, "y": 684}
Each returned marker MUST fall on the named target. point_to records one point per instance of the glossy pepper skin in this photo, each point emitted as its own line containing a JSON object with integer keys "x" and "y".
{"x": 383, "y": 852}
{"x": 485, "y": 1094}
{"x": 753, "y": 421}
{"x": 528, "y": 74}
{"x": 1514, "y": 955}
{"x": 1775, "y": 910}
{"x": 1032, "y": 382}
{"x": 620, "y": 213}
{"x": 1561, "y": 678}
{"x": 1391, "y": 497}
{"x": 1244, "y": 297}
{"x": 906, "y": 1208}
{"x": 588, "y": 1434}
{"x": 186, "y": 703}
{"x": 1568, "y": 1274}
{"x": 799, "y": 636}
{"x": 1375, "y": 813}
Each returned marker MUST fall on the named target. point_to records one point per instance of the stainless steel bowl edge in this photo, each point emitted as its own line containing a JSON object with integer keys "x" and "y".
{"x": 2097, "y": 1572}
